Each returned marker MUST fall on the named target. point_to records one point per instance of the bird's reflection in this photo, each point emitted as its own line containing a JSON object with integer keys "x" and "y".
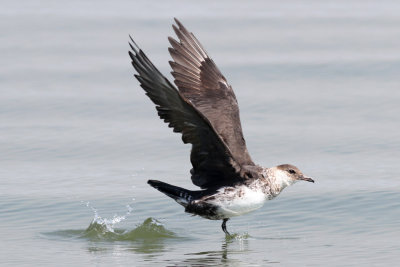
{"x": 233, "y": 245}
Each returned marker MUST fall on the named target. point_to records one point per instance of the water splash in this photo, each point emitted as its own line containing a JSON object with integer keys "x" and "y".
{"x": 238, "y": 237}
{"x": 105, "y": 229}
{"x": 107, "y": 225}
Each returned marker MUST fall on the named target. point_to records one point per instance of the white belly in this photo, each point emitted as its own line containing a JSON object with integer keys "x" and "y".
{"x": 234, "y": 203}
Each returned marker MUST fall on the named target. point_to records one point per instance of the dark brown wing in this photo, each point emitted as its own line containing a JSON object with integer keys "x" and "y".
{"x": 200, "y": 81}
{"x": 213, "y": 164}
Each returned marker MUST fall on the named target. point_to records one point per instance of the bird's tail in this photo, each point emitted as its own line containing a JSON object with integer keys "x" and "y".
{"x": 180, "y": 195}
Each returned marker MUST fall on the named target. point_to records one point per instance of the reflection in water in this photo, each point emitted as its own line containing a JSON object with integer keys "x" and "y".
{"x": 235, "y": 244}
{"x": 147, "y": 248}
{"x": 236, "y": 239}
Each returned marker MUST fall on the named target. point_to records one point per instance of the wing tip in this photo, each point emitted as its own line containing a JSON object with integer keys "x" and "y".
{"x": 177, "y": 21}
{"x": 133, "y": 45}
{"x": 172, "y": 41}
{"x": 131, "y": 55}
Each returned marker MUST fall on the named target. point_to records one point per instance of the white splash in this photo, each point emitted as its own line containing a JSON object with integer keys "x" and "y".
{"x": 109, "y": 224}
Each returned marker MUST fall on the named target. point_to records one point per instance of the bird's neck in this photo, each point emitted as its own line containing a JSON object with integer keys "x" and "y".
{"x": 278, "y": 180}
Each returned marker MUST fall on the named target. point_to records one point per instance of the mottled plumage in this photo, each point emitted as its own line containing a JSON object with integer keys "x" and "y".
{"x": 204, "y": 109}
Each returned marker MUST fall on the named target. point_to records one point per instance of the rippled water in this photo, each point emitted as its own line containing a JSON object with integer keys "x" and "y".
{"x": 318, "y": 86}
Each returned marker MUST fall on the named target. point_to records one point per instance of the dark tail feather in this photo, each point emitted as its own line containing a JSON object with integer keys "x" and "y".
{"x": 180, "y": 195}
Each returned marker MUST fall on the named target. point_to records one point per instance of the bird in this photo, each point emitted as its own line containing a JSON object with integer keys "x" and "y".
{"x": 203, "y": 108}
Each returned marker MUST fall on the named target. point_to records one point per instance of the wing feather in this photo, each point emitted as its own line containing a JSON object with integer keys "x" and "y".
{"x": 213, "y": 164}
{"x": 200, "y": 81}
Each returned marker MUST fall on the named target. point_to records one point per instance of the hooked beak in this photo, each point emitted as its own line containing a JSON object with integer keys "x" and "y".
{"x": 308, "y": 179}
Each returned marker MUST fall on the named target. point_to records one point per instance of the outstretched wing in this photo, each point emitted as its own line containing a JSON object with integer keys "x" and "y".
{"x": 213, "y": 163}
{"x": 200, "y": 81}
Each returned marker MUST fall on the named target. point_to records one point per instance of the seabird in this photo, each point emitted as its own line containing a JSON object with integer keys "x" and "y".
{"x": 203, "y": 108}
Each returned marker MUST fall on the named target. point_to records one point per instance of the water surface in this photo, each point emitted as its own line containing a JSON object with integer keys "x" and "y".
{"x": 318, "y": 87}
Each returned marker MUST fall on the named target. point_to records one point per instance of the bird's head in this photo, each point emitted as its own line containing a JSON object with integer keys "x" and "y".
{"x": 287, "y": 174}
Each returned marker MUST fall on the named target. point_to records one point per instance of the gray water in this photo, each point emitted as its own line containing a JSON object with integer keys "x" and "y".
{"x": 318, "y": 86}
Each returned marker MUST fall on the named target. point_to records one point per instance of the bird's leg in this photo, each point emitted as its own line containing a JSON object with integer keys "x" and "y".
{"x": 224, "y": 227}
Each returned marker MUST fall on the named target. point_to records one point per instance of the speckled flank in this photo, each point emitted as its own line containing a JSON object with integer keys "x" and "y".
{"x": 237, "y": 200}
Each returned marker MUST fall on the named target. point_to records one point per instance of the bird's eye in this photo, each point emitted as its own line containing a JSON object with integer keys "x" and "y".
{"x": 292, "y": 171}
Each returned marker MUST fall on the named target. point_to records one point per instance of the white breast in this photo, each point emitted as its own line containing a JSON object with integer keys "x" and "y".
{"x": 240, "y": 201}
